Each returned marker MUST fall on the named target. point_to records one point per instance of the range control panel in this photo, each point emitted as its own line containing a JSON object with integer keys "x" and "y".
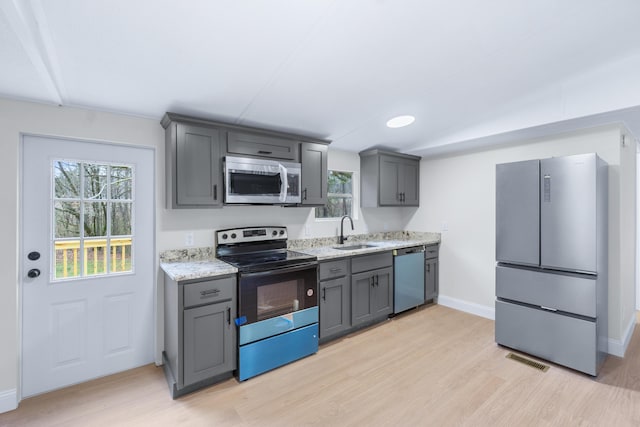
{"x": 251, "y": 234}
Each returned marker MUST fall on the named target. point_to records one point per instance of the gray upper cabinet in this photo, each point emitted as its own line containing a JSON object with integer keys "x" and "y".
{"x": 254, "y": 144}
{"x": 314, "y": 173}
{"x": 389, "y": 179}
{"x": 193, "y": 166}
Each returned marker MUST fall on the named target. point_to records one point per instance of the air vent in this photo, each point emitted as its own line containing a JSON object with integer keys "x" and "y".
{"x": 538, "y": 366}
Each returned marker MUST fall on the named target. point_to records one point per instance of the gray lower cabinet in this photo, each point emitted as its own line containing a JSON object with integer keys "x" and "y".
{"x": 389, "y": 179}
{"x": 314, "y": 173}
{"x": 371, "y": 287}
{"x": 431, "y": 281}
{"x": 372, "y": 295}
{"x": 200, "y": 335}
{"x": 193, "y": 166}
{"x": 335, "y": 298}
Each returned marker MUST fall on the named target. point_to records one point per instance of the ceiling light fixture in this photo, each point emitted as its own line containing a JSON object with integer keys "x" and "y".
{"x": 400, "y": 121}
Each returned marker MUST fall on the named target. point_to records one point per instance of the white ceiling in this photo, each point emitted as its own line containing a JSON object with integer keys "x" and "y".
{"x": 468, "y": 70}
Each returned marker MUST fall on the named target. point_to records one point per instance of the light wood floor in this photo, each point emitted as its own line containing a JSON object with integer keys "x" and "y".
{"x": 431, "y": 367}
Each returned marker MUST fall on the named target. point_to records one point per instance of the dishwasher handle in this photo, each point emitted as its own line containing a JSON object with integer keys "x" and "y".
{"x": 407, "y": 251}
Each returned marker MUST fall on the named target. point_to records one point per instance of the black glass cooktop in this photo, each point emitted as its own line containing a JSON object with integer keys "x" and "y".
{"x": 267, "y": 260}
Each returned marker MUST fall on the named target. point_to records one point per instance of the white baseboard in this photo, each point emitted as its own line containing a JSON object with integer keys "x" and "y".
{"x": 8, "y": 400}
{"x": 619, "y": 347}
{"x": 616, "y": 347}
{"x": 467, "y": 307}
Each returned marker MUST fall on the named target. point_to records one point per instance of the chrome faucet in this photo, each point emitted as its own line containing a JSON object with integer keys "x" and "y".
{"x": 342, "y": 238}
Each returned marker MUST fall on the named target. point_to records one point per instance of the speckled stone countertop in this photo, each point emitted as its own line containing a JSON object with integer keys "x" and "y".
{"x": 325, "y": 248}
{"x": 196, "y": 263}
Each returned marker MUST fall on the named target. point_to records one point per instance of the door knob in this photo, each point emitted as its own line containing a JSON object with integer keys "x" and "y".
{"x": 33, "y": 273}
{"x": 33, "y": 256}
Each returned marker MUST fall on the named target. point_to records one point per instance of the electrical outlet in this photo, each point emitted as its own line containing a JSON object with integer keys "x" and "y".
{"x": 445, "y": 226}
{"x": 385, "y": 226}
{"x": 307, "y": 230}
{"x": 188, "y": 239}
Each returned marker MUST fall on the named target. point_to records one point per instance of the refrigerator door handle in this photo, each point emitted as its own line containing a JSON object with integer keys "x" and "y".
{"x": 547, "y": 188}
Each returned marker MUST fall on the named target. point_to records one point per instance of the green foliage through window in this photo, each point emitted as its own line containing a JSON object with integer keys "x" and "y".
{"x": 339, "y": 196}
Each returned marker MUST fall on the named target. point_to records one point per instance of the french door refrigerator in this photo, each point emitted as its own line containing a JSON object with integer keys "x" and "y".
{"x": 551, "y": 253}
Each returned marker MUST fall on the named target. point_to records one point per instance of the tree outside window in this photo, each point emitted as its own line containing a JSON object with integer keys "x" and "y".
{"x": 339, "y": 196}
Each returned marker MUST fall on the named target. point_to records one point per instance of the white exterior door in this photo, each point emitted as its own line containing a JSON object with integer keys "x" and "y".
{"x": 86, "y": 261}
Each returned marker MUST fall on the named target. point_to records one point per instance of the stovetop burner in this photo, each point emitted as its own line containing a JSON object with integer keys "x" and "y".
{"x": 258, "y": 249}
{"x": 267, "y": 260}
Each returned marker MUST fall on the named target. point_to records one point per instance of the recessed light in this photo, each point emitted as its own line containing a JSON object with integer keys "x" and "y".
{"x": 400, "y": 121}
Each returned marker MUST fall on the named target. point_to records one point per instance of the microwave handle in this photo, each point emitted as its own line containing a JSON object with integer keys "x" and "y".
{"x": 284, "y": 184}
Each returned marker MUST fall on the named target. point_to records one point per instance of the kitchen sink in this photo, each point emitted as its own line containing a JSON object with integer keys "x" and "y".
{"x": 354, "y": 247}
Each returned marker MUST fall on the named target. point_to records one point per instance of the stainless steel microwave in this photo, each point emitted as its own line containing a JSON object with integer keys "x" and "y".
{"x": 261, "y": 181}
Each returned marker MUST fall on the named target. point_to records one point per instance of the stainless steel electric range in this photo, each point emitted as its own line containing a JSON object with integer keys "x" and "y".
{"x": 277, "y": 298}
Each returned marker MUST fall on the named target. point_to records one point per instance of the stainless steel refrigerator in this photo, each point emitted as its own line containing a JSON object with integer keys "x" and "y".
{"x": 551, "y": 253}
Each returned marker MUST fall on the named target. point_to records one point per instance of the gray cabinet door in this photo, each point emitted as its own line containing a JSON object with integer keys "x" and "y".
{"x": 361, "y": 297}
{"x": 410, "y": 190}
{"x": 568, "y": 212}
{"x": 518, "y": 212}
{"x": 209, "y": 344}
{"x": 382, "y": 301}
{"x": 254, "y": 144}
{"x": 198, "y": 167}
{"x": 314, "y": 173}
{"x": 431, "y": 279}
{"x": 389, "y": 181}
{"x": 335, "y": 304}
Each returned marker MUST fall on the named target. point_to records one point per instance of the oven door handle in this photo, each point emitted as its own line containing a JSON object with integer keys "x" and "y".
{"x": 293, "y": 269}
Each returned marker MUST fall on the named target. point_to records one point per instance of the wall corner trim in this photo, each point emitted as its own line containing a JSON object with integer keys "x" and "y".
{"x": 619, "y": 347}
{"x": 8, "y": 400}
{"x": 467, "y": 307}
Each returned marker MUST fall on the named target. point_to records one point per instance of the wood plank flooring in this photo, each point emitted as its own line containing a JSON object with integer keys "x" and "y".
{"x": 430, "y": 367}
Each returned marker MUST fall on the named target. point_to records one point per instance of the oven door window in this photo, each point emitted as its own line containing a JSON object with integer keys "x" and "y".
{"x": 270, "y": 294}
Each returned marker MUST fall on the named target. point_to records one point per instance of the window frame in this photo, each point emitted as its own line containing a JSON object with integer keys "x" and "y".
{"x": 355, "y": 187}
{"x": 82, "y": 199}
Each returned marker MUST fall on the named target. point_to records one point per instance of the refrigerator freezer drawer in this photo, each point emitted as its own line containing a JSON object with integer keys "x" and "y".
{"x": 571, "y": 294}
{"x": 560, "y": 339}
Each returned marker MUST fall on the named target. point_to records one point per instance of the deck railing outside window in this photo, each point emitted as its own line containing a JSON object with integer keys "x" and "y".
{"x": 94, "y": 261}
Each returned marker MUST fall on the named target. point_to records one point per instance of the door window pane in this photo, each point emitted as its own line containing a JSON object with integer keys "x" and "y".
{"x": 95, "y": 181}
{"x": 66, "y": 219}
{"x": 120, "y": 219}
{"x": 121, "y": 178}
{"x": 92, "y": 211}
{"x": 66, "y": 177}
{"x": 95, "y": 219}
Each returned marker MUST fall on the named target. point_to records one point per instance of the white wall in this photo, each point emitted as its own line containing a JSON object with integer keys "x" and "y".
{"x": 18, "y": 117}
{"x": 460, "y": 190}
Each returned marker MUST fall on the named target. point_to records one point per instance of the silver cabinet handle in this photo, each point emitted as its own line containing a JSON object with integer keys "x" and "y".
{"x": 209, "y": 293}
{"x": 548, "y": 308}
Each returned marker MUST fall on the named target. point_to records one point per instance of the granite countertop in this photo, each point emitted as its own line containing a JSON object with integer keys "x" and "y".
{"x": 196, "y": 263}
{"x": 186, "y": 264}
{"x": 379, "y": 243}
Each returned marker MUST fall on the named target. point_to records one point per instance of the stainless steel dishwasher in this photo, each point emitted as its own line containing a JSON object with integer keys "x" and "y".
{"x": 408, "y": 268}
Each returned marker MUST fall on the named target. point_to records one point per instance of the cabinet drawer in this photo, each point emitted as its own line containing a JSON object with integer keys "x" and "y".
{"x": 371, "y": 262}
{"x": 561, "y": 339}
{"x": 431, "y": 251}
{"x": 208, "y": 292}
{"x": 263, "y": 146}
{"x": 333, "y": 269}
{"x": 560, "y": 292}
